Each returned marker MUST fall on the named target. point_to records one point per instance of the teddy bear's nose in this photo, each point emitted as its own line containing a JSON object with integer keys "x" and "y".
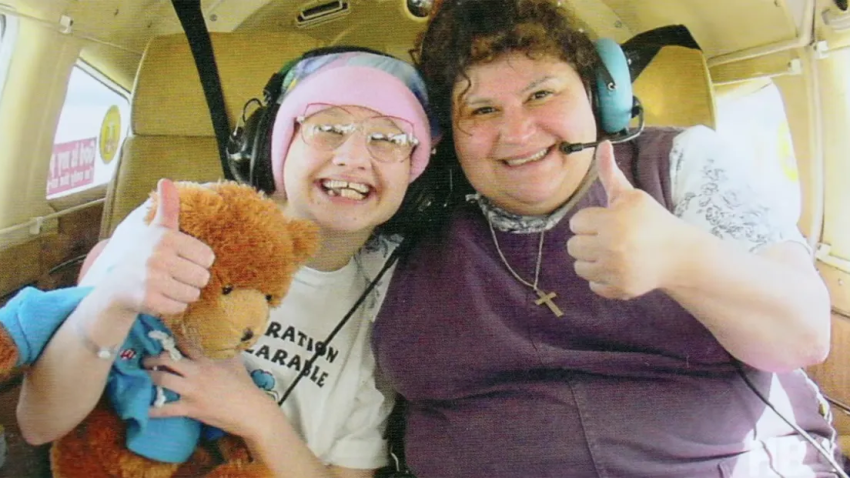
{"x": 247, "y": 335}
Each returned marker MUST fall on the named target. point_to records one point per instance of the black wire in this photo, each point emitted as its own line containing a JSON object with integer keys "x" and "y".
{"x": 831, "y": 459}
{"x": 323, "y": 346}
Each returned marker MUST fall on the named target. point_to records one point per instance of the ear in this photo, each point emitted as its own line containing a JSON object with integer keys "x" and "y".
{"x": 305, "y": 239}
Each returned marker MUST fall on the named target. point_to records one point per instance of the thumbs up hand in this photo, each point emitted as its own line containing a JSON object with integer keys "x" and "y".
{"x": 164, "y": 269}
{"x": 623, "y": 250}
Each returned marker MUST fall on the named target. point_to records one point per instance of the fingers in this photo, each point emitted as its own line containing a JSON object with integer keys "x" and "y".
{"x": 166, "y": 266}
{"x": 168, "y": 205}
{"x": 588, "y": 220}
{"x": 171, "y": 283}
{"x": 585, "y": 248}
{"x": 595, "y": 273}
{"x": 192, "y": 350}
{"x": 168, "y": 380}
{"x": 191, "y": 249}
{"x": 610, "y": 175}
{"x": 177, "y": 408}
{"x": 606, "y": 291}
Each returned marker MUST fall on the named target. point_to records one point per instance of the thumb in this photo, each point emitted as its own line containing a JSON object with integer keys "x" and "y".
{"x": 612, "y": 178}
{"x": 167, "y": 206}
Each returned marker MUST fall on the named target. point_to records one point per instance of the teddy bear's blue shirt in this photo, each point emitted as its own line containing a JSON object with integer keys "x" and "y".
{"x": 33, "y": 316}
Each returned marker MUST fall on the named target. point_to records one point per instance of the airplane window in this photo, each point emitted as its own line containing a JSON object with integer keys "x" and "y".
{"x": 756, "y": 123}
{"x": 92, "y": 126}
{"x": 8, "y": 28}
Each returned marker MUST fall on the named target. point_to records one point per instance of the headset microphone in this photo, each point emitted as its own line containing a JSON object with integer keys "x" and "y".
{"x": 570, "y": 148}
{"x": 621, "y": 137}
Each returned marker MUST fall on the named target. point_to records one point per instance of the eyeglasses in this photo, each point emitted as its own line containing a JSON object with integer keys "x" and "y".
{"x": 326, "y": 127}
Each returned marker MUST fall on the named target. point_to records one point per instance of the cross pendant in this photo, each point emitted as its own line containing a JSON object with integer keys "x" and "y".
{"x": 547, "y": 299}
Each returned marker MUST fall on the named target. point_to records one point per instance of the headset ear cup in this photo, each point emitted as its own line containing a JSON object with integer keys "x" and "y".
{"x": 614, "y": 102}
{"x": 262, "y": 176}
{"x": 239, "y": 154}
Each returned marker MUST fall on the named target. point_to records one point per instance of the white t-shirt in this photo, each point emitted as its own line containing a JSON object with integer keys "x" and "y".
{"x": 339, "y": 409}
{"x": 716, "y": 189}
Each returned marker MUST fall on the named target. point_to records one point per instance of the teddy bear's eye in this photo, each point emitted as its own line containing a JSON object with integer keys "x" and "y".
{"x": 227, "y": 289}
{"x": 269, "y": 298}
{"x": 247, "y": 335}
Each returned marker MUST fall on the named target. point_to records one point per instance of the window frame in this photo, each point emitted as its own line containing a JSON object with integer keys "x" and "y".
{"x": 94, "y": 193}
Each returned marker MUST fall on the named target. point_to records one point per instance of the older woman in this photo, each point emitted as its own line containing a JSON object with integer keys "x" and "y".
{"x": 564, "y": 325}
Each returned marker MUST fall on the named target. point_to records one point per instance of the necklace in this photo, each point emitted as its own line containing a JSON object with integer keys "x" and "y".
{"x": 543, "y": 297}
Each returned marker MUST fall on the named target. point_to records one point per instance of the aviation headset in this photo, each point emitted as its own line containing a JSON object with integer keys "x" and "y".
{"x": 614, "y": 103}
{"x": 249, "y": 146}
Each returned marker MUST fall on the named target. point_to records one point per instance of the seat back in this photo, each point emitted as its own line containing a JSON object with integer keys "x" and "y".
{"x": 676, "y": 90}
{"x": 171, "y": 130}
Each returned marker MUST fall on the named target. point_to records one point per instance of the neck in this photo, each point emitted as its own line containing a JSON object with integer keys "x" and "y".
{"x": 337, "y": 248}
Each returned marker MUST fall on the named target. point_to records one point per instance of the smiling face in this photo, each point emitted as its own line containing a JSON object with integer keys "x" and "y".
{"x": 509, "y": 117}
{"x": 344, "y": 189}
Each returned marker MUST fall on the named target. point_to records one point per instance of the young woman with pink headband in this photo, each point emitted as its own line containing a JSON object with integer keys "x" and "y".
{"x": 351, "y": 133}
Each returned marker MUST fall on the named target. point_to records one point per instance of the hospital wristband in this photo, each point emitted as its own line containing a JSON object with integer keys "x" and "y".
{"x": 103, "y": 353}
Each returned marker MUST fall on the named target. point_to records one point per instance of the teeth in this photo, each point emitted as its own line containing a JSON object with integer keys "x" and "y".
{"x": 521, "y": 161}
{"x": 351, "y": 194}
{"x": 361, "y": 188}
{"x": 337, "y": 184}
{"x": 346, "y": 189}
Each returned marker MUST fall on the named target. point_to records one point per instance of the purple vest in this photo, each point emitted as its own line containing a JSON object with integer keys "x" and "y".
{"x": 499, "y": 387}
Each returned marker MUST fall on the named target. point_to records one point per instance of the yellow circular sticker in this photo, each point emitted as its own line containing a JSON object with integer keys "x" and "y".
{"x": 786, "y": 153}
{"x": 110, "y": 134}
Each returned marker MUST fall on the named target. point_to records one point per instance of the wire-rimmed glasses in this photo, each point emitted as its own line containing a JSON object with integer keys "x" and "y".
{"x": 327, "y": 127}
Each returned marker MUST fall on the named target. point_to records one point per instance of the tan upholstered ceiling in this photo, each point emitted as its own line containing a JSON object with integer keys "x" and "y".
{"x": 127, "y": 25}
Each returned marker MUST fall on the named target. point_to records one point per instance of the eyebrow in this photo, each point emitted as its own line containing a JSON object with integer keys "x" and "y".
{"x": 472, "y": 100}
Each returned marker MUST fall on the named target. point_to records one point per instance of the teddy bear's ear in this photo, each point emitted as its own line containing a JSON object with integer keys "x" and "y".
{"x": 305, "y": 238}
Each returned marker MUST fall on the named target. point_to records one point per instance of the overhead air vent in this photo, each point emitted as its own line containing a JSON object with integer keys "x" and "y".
{"x": 315, "y": 13}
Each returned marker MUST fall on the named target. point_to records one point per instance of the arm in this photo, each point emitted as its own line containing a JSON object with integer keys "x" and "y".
{"x": 66, "y": 382}
{"x": 298, "y": 460}
{"x": 746, "y": 257}
{"x": 156, "y": 270}
{"x": 768, "y": 308}
{"x": 222, "y": 394}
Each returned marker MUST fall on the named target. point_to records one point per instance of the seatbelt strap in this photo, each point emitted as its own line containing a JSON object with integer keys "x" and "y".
{"x": 192, "y": 18}
{"x": 642, "y": 48}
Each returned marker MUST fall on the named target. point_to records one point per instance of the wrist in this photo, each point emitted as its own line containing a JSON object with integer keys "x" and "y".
{"x": 686, "y": 254}
{"x": 113, "y": 301}
{"x": 267, "y": 422}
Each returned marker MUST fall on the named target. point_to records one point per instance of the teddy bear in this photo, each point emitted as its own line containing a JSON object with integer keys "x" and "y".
{"x": 257, "y": 252}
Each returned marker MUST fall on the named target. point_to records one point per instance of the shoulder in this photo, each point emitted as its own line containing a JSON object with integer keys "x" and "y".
{"x": 699, "y": 142}
{"x": 378, "y": 248}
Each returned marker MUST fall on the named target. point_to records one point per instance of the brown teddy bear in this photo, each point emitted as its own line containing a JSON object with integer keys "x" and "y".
{"x": 257, "y": 252}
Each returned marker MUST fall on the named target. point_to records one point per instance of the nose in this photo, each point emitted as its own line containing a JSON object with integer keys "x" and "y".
{"x": 353, "y": 152}
{"x": 517, "y": 126}
{"x": 247, "y": 335}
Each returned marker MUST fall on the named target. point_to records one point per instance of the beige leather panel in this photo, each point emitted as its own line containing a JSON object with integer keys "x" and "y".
{"x": 833, "y": 376}
{"x": 676, "y": 90}
{"x": 50, "y": 260}
{"x": 168, "y": 98}
{"x": 146, "y": 159}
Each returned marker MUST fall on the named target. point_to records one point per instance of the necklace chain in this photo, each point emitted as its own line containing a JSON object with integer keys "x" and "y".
{"x": 510, "y": 269}
{"x": 544, "y": 298}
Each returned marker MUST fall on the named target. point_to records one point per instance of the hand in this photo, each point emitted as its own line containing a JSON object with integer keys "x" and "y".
{"x": 165, "y": 269}
{"x": 627, "y": 248}
{"x": 219, "y": 393}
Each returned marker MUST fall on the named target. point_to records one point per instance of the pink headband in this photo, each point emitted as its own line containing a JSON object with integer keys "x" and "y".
{"x": 351, "y": 86}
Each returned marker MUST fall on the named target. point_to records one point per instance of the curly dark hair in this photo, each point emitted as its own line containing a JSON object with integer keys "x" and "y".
{"x": 466, "y": 32}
